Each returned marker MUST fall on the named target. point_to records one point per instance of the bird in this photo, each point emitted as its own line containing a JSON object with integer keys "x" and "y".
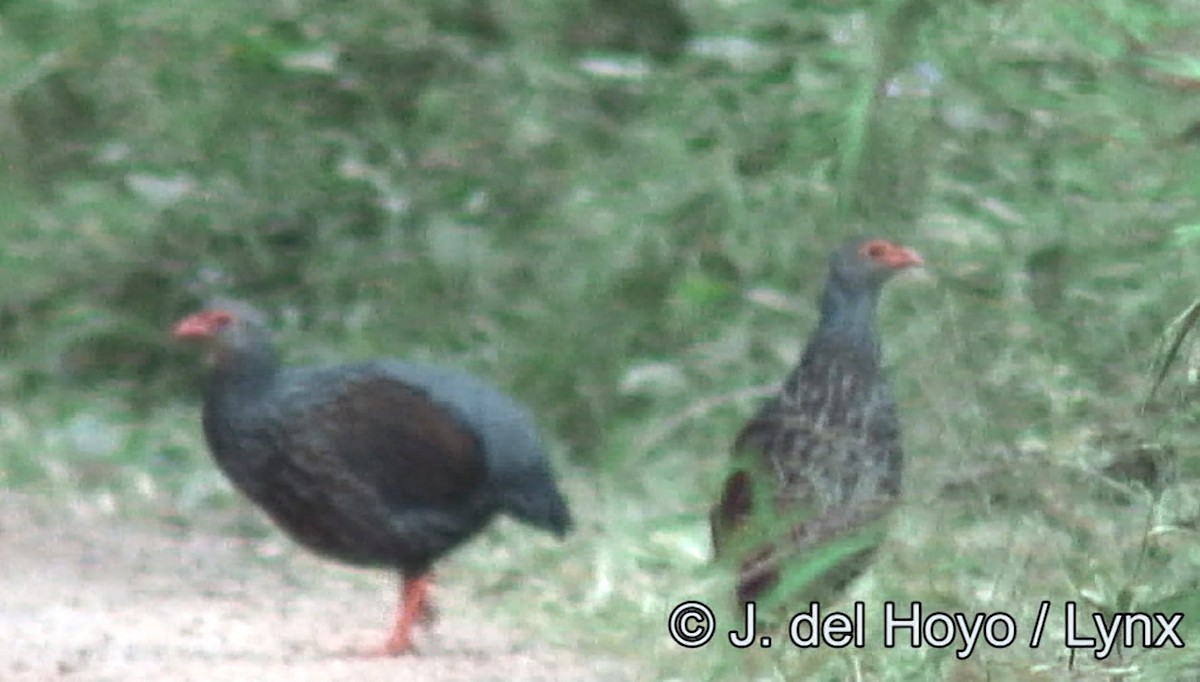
{"x": 821, "y": 459}
{"x": 380, "y": 463}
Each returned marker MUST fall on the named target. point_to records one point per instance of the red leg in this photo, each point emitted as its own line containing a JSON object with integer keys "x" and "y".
{"x": 413, "y": 605}
{"x": 428, "y": 612}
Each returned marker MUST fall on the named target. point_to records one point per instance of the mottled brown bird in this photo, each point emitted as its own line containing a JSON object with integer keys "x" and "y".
{"x": 822, "y": 458}
{"x": 383, "y": 463}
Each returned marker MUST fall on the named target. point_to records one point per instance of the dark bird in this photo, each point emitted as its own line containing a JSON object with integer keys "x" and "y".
{"x": 821, "y": 459}
{"x": 381, "y": 463}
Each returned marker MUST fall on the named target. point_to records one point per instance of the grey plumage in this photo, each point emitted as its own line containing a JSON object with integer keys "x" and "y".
{"x": 822, "y": 458}
{"x": 376, "y": 463}
{"x": 518, "y": 474}
{"x": 382, "y": 463}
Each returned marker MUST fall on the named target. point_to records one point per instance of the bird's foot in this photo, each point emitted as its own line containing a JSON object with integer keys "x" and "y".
{"x": 394, "y": 646}
{"x": 428, "y": 614}
{"x": 414, "y": 607}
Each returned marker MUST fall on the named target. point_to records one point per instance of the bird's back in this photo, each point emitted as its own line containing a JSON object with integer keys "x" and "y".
{"x": 353, "y": 464}
{"x": 519, "y": 478}
{"x": 819, "y": 459}
{"x": 832, "y": 427}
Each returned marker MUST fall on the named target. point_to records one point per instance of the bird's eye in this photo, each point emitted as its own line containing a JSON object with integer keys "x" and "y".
{"x": 875, "y": 250}
{"x": 220, "y": 319}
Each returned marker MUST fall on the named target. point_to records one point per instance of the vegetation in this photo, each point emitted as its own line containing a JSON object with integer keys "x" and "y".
{"x": 620, "y": 211}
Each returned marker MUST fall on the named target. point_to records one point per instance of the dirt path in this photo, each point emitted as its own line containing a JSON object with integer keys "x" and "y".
{"x": 84, "y": 599}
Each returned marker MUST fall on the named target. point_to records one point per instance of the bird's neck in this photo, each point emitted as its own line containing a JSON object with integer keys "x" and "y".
{"x": 243, "y": 370}
{"x": 848, "y": 319}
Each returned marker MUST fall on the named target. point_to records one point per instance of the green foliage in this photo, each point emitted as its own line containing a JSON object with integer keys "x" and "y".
{"x": 620, "y": 212}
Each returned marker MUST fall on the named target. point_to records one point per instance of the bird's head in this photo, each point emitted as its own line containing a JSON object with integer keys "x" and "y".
{"x": 225, "y": 329}
{"x": 206, "y": 325}
{"x": 869, "y": 262}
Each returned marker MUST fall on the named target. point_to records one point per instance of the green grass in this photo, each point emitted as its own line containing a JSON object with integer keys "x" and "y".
{"x": 632, "y": 252}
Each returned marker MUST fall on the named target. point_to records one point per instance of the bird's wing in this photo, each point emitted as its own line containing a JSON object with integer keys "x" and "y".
{"x": 752, "y": 450}
{"x": 847, "y": 539}
{"x": 393, "y": 438}
{"x": 796, "y": 458}
{"x": 730, "y": 512}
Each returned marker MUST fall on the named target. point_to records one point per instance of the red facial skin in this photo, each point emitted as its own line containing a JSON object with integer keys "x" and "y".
{"x": 201, "y": 325}
{"x": 890, "y": 254}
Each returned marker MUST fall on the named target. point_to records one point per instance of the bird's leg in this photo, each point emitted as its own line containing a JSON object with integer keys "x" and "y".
{"x": 413, "y": 605}
{"x": 428, "y": 612}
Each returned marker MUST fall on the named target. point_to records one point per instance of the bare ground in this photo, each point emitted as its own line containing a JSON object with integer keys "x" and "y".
{"x": 84, "y": 597}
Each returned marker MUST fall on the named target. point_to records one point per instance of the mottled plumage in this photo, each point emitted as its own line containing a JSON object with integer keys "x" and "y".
{"x": 383, "y": 463}
{"x": 822, "y": 458}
